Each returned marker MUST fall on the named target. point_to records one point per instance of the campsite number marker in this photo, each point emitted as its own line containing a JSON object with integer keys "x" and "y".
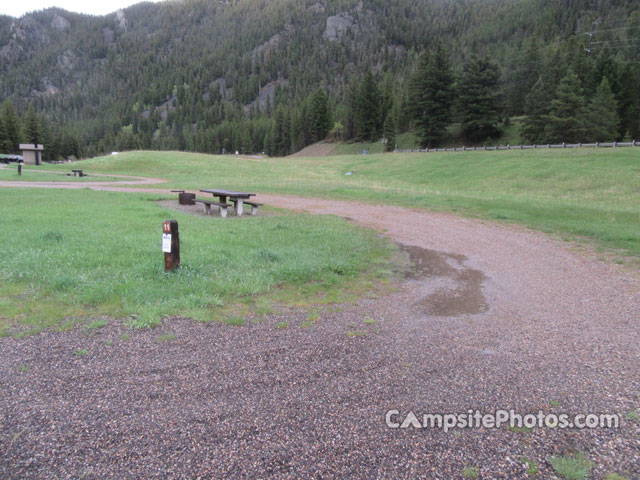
{"x": 170, "y": 245}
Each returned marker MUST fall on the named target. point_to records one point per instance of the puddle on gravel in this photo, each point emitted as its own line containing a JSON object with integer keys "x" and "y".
{"x": 465, "y": 297}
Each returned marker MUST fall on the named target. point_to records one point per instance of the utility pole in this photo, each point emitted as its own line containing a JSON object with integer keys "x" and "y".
{"x": 588, "y": 49}
{"x": 35, "y": 141}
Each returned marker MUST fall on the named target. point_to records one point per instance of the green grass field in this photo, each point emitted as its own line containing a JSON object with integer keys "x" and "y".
{"x": 583, "y": 193}
{"x": 71, "y": 255}
{"x": 84, "y": 254}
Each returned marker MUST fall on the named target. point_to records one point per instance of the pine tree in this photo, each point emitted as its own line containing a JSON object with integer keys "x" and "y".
{"x": 368, "y": 109}
{"x": 522, "y": 80}
{"x": 578, "y": 62}
{"x": 351, "y": 101}
{"x": 565, "y": 121}
{"x": 402, "y": 110}
{"x": 31, "y": 128}
{"x": 605, "y": 67}
{"x": 478, "y": 94}
{"x": 245, "y": 139}
{"x": 269, "y": 144}
{"x": 11, "y": 127}
{"x": 389, "y": 133}
{"x": 281, "y": 132}
{"x": 4, "y": 138}
{"x": 319, "y": 116}
{"x": 46, "y": 138}
{"x": 386, "y": 97}
{"x": 536, "y": 109}
{"x": 629, "y": 101}
{"x": 432, "y": 97}
{"x": 601, "y": 118}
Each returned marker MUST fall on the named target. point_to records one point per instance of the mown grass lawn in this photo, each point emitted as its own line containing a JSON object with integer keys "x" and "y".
{"x": 80, "y": 254}
{"x": 590, "y": 193}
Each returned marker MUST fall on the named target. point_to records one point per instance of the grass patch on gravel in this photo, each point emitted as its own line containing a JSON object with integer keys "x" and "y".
{"x": 585, "y": 193}
{"x": 614, "y": 476}
{"x": 471, "y": 472}
{"x": 356, "y": 333}
{"x": 572, "y": 467}
{"x": 169, "y": 337}
{"x": 519, "y": 429}
{"x": 532, "y": 466}
{"x": 235, "y": 321}
{"x": 96, "y": 324}
{"x": 69, "y": 255}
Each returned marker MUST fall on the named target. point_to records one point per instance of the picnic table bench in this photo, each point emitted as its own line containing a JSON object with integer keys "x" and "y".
{"x": 207, "y": 206}
{"x": 254, "y": 206}
{"x": 78, "y": 173}
{"x": 237, "y": 198}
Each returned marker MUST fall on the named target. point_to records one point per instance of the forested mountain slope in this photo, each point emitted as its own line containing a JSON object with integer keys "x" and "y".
{"x": 275, "y": 75}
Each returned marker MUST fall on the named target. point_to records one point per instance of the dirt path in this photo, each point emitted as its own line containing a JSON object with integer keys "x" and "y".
{"x": 493, "y": 317}
{"x": 106, "y": 185}
{"x": 528, "y": 271}
{"x": 316, "y": 150}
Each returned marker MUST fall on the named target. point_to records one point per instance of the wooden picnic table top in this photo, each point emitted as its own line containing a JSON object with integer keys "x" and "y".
{"x": 227, "y": 193}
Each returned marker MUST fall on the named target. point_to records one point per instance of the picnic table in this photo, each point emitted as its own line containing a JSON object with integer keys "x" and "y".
{"x": 238, "y": 198}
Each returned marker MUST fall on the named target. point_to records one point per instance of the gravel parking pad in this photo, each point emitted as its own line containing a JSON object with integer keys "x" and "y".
{"x": 527, "y": 325}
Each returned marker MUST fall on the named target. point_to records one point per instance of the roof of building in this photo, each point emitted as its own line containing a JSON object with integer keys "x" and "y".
{"x": 30, "y": 146}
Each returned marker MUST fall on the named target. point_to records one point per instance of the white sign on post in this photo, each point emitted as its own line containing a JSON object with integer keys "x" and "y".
{"x": 166, "y": 242}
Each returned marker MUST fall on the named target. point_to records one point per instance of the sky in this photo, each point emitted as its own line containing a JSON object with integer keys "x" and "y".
{"x": 101, "y": 7}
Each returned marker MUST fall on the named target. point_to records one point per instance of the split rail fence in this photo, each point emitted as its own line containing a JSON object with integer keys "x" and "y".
{"x": 526, "y": 147}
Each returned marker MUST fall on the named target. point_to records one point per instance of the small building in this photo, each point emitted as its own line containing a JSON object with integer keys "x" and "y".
{"x": 32, "y": 153}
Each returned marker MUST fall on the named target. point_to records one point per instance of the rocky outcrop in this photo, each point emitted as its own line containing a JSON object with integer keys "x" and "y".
{"x": 122, "y": 20}
{"x": 59, "y": 22}
{"x": 267, "y": 94}
{"x": 316, "y": 8}
{"x": 337, "y": 26}
{"x": 266, "y": 47}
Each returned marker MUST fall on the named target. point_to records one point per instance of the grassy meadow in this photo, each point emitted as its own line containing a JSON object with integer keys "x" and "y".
{"x": 591, "y": 194}
{"x": 66, "y": 256}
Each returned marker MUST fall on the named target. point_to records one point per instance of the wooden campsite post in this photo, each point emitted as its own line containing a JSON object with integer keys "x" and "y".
{"x": 170, "y": 245}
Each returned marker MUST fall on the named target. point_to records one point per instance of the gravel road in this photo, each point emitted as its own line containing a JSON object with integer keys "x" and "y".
{"x": 492, "y": 317}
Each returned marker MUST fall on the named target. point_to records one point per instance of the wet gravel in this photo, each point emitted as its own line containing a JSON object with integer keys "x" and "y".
{"x": 538, "y": 327}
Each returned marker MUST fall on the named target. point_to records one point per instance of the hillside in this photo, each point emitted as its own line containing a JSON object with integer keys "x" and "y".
{"x": 203, "y": 76}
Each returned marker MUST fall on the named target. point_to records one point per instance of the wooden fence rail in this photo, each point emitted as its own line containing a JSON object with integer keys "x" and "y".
{"x": 525, "y": 147}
